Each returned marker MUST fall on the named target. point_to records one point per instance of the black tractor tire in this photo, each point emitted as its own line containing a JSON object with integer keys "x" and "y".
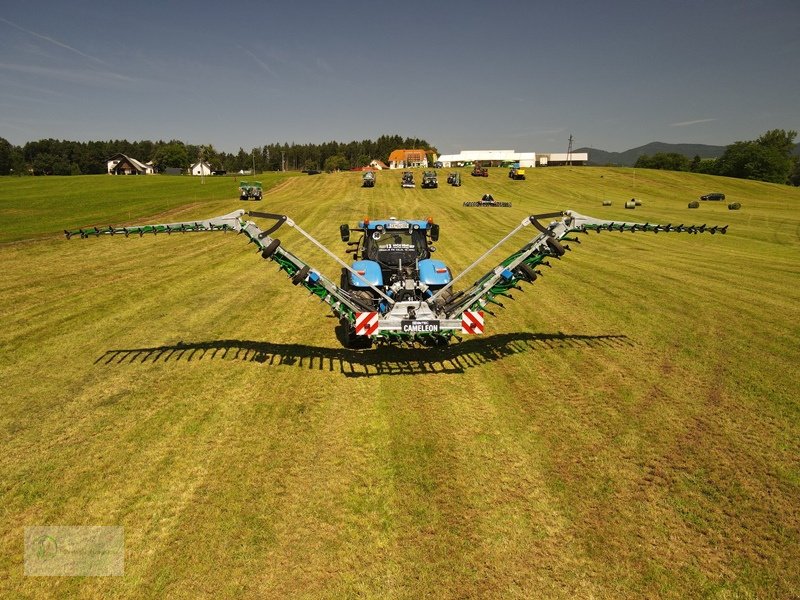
{"x": 555, "y": 246}
{"x": 301, "y": 275}
{"x": 525, "y": 273}
{"x": 270, "y": 249}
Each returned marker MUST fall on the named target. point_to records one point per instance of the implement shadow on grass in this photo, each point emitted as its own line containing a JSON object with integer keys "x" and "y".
{"x": 384, "y": 360}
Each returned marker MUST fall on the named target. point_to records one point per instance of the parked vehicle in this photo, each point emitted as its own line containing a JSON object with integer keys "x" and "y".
{"x": 430, "y": 180}
{"x": 250, "y": 190}
{"x": 479, "y": 171}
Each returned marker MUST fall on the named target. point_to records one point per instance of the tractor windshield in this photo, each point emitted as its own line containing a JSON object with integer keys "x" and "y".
{"x": 391, "y": 247}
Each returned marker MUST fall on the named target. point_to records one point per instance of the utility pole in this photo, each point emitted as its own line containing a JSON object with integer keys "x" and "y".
{"x": 569, "y": 151}
{"x": 283, "y": 161}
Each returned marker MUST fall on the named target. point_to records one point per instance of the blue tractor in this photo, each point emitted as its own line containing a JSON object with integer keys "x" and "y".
{"x": 392, "y": 264}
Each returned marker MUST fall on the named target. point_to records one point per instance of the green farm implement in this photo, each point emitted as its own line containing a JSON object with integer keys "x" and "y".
{"x": 394, "y": 292}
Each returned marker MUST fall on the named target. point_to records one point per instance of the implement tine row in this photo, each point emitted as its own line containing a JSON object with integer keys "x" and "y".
{"x": 444, "y": 313}
{"x": 523, "y": 265}
{"x": 489, "y": 204}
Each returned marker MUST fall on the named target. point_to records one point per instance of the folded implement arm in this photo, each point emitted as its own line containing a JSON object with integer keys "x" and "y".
{"x": 522, "y": 265}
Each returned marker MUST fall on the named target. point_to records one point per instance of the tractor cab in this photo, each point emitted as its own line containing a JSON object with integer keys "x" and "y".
{"x": 394, "y": 256}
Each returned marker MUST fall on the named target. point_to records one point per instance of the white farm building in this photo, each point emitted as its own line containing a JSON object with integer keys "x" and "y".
{"x": 200, "y": 168}
{"x": 525, "y": 159}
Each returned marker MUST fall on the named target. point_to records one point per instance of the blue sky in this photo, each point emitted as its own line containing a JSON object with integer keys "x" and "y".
{"x": 520, "y": 75}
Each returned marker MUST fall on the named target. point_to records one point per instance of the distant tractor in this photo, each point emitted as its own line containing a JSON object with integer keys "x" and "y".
{"x": 516, "y": 174}
{"x": 368, "y": 179}
{"x": 250, "y": 190}
{"x": 454, "y": 179}
{"x": 408, "y": 180}
{"x": 430, "y": 180}
{"x": 479, "y": 171}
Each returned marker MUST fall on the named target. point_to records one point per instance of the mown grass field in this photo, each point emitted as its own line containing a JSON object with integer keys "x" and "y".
{"x": 629, "y": 427}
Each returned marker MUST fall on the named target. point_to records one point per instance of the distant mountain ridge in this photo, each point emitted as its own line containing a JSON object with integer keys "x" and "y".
{"x": 628, "y": 158}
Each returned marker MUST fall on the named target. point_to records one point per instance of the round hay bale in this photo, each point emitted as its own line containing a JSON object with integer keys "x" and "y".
{"x": 694, "y": 204}
{"x": 734, "y": 206}
{"x": 630, "y": 204}
{"x": 606, "y": 202}
{"x": 638, "y": 202}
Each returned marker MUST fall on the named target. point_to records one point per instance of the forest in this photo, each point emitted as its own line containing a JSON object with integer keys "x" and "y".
{"x": 64, "y": 157}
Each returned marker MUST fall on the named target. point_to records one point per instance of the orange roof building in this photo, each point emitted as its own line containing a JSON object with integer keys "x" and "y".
{"x": 403, "y": 159}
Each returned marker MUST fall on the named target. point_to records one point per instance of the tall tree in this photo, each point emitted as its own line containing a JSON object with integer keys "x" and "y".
{"x": 172, "y": 155}
{"x": 6, "y": 154}
{"x": 766, "y": 159}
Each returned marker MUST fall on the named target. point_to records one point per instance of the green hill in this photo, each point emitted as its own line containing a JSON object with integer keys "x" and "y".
{"x": 628, "y": 426}
{"x": 628, "y": 158}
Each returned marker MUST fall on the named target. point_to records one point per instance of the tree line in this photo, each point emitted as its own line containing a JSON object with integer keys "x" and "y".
{"x": 63, "y": 157}
{"x": 770, "y": 158}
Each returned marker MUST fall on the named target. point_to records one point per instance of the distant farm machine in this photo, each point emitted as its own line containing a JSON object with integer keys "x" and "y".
{"x": 430, "y": 180}
{"x": 394, "y": 292}
{"x": 368, "y": 179}
{"x": 250, "y": 190}
{"x": 516, "y": 173}
{"x": 479, "y": 171}
{"x": 407, "y": 180}
{"x": 488, "y": 200}
{"x": 454, "y": 179}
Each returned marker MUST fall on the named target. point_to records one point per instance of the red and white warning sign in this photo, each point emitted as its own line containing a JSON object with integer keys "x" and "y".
{"x": 366, "y": 323}
{"x": 472, "y": 322}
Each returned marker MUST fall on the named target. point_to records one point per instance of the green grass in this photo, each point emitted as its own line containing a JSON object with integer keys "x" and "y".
{"x": 35, "y": 206}
{"x": 628, "y": 427}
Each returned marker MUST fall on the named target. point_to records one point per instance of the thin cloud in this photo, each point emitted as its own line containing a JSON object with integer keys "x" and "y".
{"x": 259, "y": 62}
{"x": 687, "y": 123}
{"x": 52, "y": 41}
{"x": 69, "y": 75}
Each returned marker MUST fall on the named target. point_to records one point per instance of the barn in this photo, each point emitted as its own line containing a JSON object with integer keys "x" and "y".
{"x": 200, "y": 168}
{"x": 119, "y": 164}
